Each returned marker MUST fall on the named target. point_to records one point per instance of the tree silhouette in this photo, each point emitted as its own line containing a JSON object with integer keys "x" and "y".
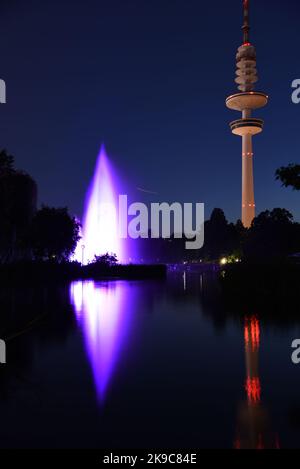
{"x": 289, "y": 176}
{"x": 18, "y": 195}
{"x": 221, "y": 238}
{"x": 54, "y": 234}
{"x": 6, "y": 163}
{"x": 272, "y": 235}
{"x": 107, "y": 260}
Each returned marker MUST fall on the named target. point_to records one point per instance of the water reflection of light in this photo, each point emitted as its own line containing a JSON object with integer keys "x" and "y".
{"x": 252, "y": 332}
{"x": 253, "y": 389}
{"x": 184, "y": 281}
{"x": 76, "y": 292}
{"x": 252, "y": 343}
{"x": 103, "y": 314}
{"x": 254, "y": 431}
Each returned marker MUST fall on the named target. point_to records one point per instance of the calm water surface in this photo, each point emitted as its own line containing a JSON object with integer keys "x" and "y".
{"x": 144, "y": 364}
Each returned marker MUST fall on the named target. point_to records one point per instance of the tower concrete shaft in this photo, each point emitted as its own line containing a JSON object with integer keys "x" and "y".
{"x": 245, "y": 102}
{"x": 248, "y": 202}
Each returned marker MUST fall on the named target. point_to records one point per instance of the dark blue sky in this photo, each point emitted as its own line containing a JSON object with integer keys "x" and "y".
{"x": 149, "y": 78}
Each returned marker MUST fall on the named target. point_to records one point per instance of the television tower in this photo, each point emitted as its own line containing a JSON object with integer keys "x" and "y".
{"x": 247, "y": 101}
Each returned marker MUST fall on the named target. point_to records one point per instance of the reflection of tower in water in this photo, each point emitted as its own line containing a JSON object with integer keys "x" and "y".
{"x": 253, "y": 427}
{"x": 252, "y": 337}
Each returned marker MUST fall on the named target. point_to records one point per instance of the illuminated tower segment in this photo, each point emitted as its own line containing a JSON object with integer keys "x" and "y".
{"x": 246, "y": 101}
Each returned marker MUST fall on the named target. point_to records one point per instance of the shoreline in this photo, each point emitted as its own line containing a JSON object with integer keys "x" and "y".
{"x": 52, "y": 272}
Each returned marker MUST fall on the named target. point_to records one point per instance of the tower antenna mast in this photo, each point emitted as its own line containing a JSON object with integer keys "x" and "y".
{"x": 246, "y": 25}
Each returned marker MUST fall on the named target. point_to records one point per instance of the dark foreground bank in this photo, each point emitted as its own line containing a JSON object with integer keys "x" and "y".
{"x": 53, "y": 272}
{"x": 268, "y": 288}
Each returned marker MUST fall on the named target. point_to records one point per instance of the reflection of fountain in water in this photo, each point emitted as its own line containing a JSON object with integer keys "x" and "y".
{"x": 103, "y": 312}
{"x": 100, "y": 231}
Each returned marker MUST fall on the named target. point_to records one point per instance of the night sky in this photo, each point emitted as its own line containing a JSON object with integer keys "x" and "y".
{"x": 148, "y": 78}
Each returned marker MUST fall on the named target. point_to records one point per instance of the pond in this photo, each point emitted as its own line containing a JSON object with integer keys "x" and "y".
{"x": 144, "y": 364}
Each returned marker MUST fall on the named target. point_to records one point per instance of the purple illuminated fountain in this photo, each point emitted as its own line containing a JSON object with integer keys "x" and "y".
{"x": 104, "y": 310}
{"x": 100, "y": 233}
